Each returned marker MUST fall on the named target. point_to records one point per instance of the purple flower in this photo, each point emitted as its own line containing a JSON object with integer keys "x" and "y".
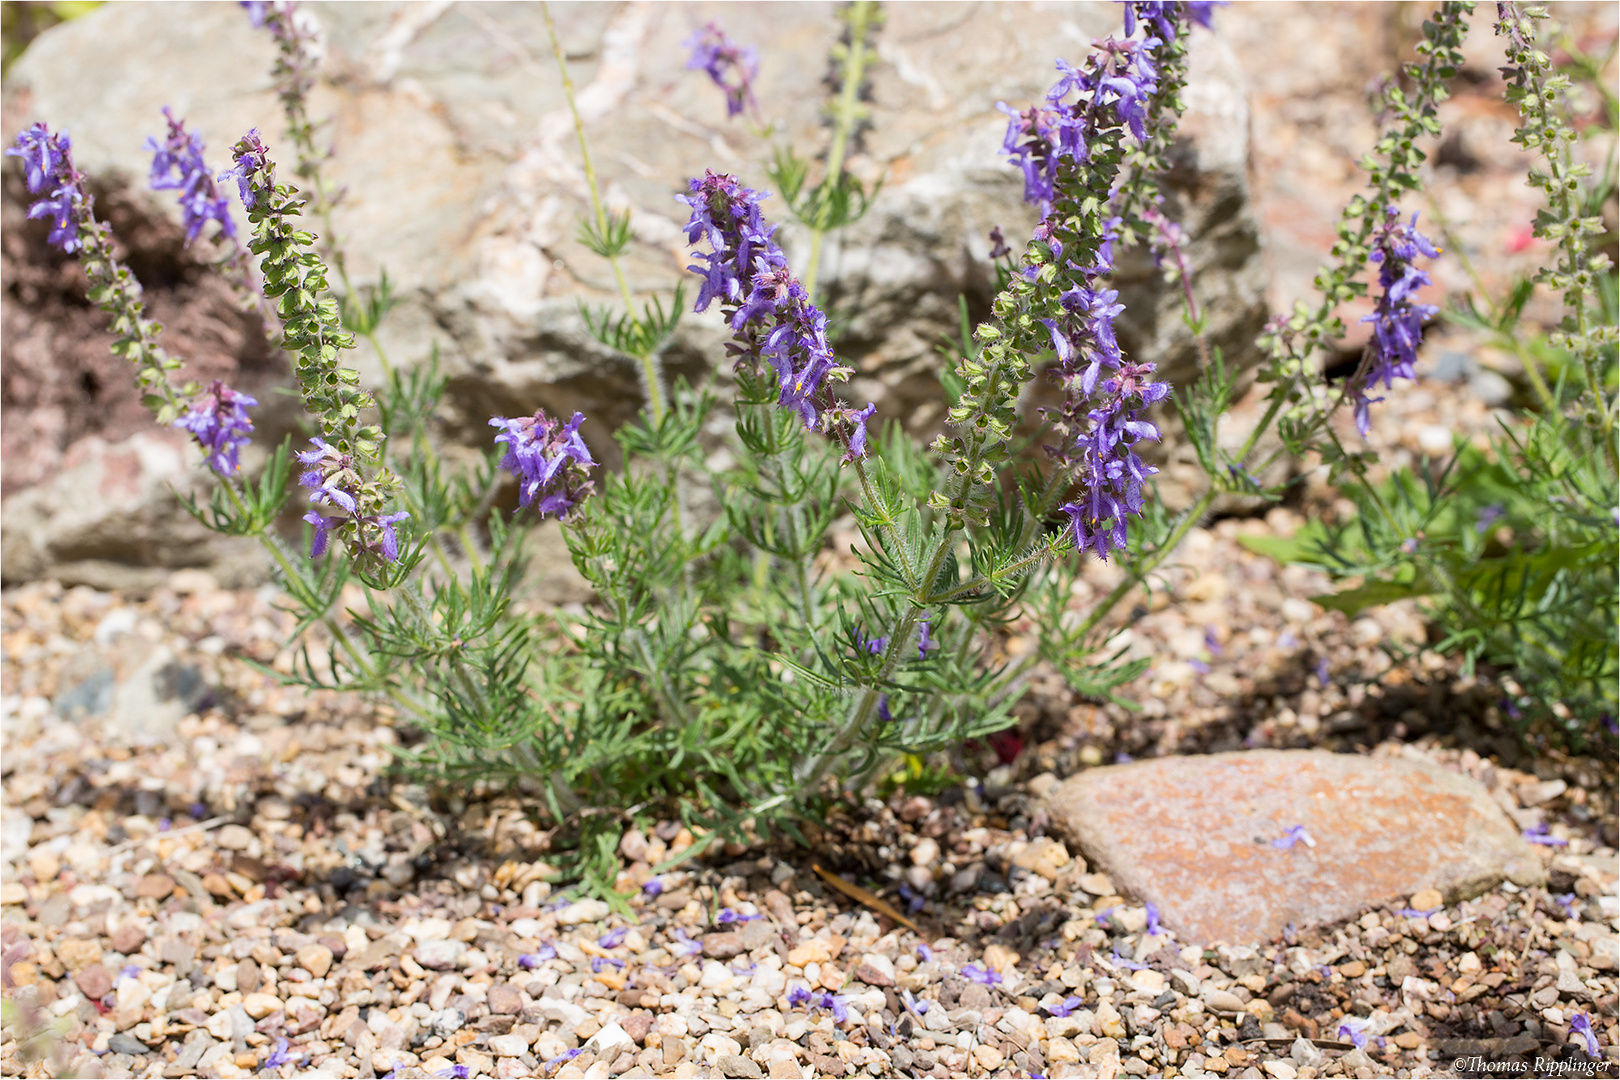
{"x": 1354, "y": 1028}
{"x": 1414, "y": 913}
{"x": 598, "y": 963}
{"x": 48, "y": 165}
{"x": 334, "y": 481}
{"x": 798, "y": 995}
{"x": 727, "y": 917}
{"x": 1128, "y": 965}
{"x": 329, "y": 471}
{"x": 1397, "y": 321}
{"x": 1161, "y": 15}
{"x": 549, "y": 460}
{"x": 1198, "y": 666}
{"x": 530, "y": 961}
{"x": 248, "y": 157}
{"x": 1567, "y": 902}
{"x": 684, "y": 945}
{"x": 986, "y": 976}
{"x": 653, "y": 887}
{"x": 924, "y": 953}
{"x": 1102, "y": 916}
{"x": 455, "y": 1072}
{"x": 915, "y": 1004}
{"x": 1066, "y": 1006}
{"x": 1538, "y": 834}
{"x": 925, "y": 641}
{"x": 1487, "y": 517}
{"x": 1581, "y": 1025}
{"x": 1152, "y": 919}
{"x": 566, "y": 1055}
{"x": 1296, "y": 834}
{"x": 177, "y": 164}
{"x": 915, "y": 901}
{"x": 44, "y": 156}
{"x": 129, "y": 971}
{"x": 777, "y": 330}
{"x": 613, "y": 938}
{"x": 279, "y": 1056}
{"x": 733, "y": 68}
{"x": 219, "y": 422}
{"x": 1212, "y": 642}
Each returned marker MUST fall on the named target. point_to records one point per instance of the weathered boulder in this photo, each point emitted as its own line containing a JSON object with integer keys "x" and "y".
{"x": 462, "y": 176}
{"x": 1208, "y": 839}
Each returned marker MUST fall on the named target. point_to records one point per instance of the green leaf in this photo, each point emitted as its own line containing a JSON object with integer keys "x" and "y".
{"x": 1372, "y": 594}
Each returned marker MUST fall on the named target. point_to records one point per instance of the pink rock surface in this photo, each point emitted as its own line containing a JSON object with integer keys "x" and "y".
{"x": 1194, "y": 835}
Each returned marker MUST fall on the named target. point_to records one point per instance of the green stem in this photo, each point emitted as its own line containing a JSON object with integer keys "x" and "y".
{"x": 845, "y": 114}
{"x": 651, "y": 370}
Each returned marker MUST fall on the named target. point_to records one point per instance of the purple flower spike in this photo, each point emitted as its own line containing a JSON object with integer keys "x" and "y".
{"x": 1397, "y": 321}
{"x": 48, "y": 165}
{"x": 1295, "y": 835}
{"x": 733, "y": 68}
{"x": 984, "y": 976}
{"x": 219, "y": 422}
{"x": 777, "y": 331}
{"x": 177, "y": 165}
{"x": 550, "y": 461}
{"x": 1581, "y": 1024}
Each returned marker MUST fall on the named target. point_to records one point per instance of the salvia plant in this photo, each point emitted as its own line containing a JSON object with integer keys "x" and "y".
{"x": 728, "y": 671}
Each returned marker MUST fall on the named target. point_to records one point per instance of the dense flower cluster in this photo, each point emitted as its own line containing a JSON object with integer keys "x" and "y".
{"x": 549, "y": 459}
{"x": 334, "y": 482}
{"x": 220, "y": 424}
{"x": 732, "y": 67}
{"x": 768, "y": 309}
{"x": 1397, "y": 321}
{"x": 1119, "y": 77}
{"x": 1099, "y": 430}
{"x": 177, "y": 165}
{"x": 48, "y": 162}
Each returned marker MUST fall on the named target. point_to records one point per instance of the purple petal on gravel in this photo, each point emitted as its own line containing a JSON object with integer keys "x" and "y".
{"x": 1537, "y": 834}
{"x": 986, "y": 976}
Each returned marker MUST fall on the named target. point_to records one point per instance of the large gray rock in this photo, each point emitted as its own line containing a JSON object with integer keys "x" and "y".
{"x": 1198, "y": 836}
{"x": 463, "y": 176}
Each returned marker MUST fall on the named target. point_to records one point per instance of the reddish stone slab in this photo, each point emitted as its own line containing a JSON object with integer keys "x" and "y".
{"x": 1194, "y": 836}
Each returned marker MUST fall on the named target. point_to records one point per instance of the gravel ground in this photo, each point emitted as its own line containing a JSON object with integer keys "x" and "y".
{"x": 254, "y": 895}
{"x": 251, "y": 893}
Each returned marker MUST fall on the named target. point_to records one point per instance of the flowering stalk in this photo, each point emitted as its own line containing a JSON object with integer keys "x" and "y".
{"x": 299, "y": 51}
{"x": 731, "y": 67}
{"x": 61, "y": 195}
{"x": 1397, "y": 321}
{"x": 1538, "y": 91}
{"x": 348, "y": 483}
{"x": 178, "y": 165}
